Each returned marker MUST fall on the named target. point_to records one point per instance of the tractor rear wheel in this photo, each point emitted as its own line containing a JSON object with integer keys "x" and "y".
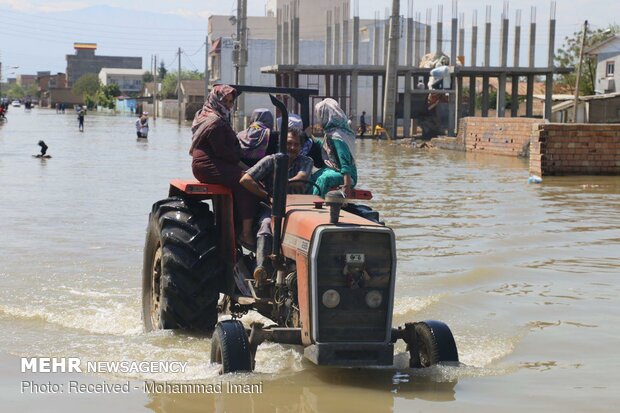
{"x": 434, "y": 344}
{"x": 181, "y": 270}
{"x": 230, "y": 347}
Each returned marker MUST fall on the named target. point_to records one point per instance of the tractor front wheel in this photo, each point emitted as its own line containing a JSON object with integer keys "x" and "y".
{"x": 230, "y": 347}
{"x": 434, "y": 343}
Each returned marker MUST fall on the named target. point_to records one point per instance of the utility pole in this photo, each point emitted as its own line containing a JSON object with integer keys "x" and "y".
{"x": 179, "y": 89}
{"x": 583, "y": 45}
{"x": 240, "y": 58}
{"x": 391, "y": 77}
{"x": 206, "y": 66}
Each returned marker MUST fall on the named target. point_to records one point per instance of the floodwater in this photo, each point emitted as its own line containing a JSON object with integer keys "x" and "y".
{"x": 526, "y": 276}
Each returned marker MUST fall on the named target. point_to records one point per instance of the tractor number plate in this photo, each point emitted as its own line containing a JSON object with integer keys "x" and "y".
{"x": 355, "y": 258}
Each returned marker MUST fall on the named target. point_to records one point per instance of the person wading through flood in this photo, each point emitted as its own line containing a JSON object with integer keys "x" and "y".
{"x": 81, "y": 114}
{"x": 216, "y": 155}
{"x": 142, "y": 126}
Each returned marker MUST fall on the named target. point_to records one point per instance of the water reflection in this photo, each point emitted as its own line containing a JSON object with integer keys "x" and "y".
{"x": 318, "y": 390}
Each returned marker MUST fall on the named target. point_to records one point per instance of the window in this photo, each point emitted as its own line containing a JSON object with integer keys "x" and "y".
{"x": 609, "y": 69}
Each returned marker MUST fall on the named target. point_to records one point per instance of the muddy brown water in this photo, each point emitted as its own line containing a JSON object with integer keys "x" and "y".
{"x": 525, "y": 275}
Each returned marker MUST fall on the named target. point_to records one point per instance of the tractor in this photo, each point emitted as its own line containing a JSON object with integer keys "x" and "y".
{"x": 331, "y": 280}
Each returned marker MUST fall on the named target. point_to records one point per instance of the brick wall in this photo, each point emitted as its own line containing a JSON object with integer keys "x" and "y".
{"x": 497, "y": 136}
{"x": 575, "y": 149}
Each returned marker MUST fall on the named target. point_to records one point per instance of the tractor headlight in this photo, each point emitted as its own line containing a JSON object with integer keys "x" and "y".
{"x": 331, "y": 298}
{"x": 374, "y": 299}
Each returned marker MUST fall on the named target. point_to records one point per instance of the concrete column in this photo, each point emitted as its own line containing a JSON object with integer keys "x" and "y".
{"x": 375, "y": 100}
{"x": 409, "y": 42}
{"x": 485, "y": 96}
{"x": 279, "y": 36}
{"x": 453, "y": 40}
{"x": 407, "y": 106}
{"x": 328, "y": 38}
{"x": 391, "y": 84}
{"x": 427, "y": 37}
{"x": 295, "y": 47}
{"x": 550, "y": 64}
{"x": 343, "y": 93}
{"x": 462, "y": 36}
{"x": 328, "y": 85}
{"x": 529, "y": 99}
{"x": 417, "y": 40}
{"x": 514, "y": 97}
{"x": 458, "y": 105}
{"x": 376, "y": 42}
{"x": 474, "y": 41}
{"x": 286, "y": 37}
{"x": 354, "y": 74}
{"x": 501, "y": 92}
{"x": 336, "y": 88}
{"x": 386, "y": 39}
{"x": 337, "y": 38}
{"x": 439, "y": 43}
{"x": 472, "y": 96}
{"x": 487, "y": 39}
{"x": 345, "y": 34}
{"x": 532, "y": 54}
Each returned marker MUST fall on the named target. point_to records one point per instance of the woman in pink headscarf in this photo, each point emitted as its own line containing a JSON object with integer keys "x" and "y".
{"x": 216, "y": 154}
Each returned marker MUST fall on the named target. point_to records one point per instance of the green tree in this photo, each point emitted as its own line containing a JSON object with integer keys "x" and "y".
{"x": 147, "y": 77}
{"x": 14, "y": 91}
{"x": 87, "y": 85}
{"x": 162, "y": 71}
{"x": 568, "y": 56}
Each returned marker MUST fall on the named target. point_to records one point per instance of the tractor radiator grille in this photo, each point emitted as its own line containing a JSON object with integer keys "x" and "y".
{"x": 352, "y": 320}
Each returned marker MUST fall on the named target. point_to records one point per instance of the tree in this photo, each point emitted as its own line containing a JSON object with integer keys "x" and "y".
{"x": 147, "y": 77}
{"x": 568, "y": 56}
{"x": 162, "y": 71}
{"x": 14, "y": 91}
{"x": 169, "y": 83}
{"x": 87, "y": 85}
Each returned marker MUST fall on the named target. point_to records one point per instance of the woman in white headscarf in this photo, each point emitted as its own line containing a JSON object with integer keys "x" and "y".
{"x": 337, "y": 150}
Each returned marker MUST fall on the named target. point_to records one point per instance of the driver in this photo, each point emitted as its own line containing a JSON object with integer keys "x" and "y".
{"x": 259, "y": 181}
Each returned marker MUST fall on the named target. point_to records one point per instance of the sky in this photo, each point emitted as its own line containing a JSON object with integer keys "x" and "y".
{"x": 37, "y": 34}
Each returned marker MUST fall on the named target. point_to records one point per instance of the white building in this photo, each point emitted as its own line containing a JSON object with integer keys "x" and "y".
{"x": 607, "y": 57}
{"x": 128, "y": 80}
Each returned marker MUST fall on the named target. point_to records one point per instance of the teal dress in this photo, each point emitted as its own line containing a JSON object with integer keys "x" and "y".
{"x": 338, "y": 161}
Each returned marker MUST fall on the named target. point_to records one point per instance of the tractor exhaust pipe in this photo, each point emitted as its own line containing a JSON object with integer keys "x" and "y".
{"x": 280, "y": 182}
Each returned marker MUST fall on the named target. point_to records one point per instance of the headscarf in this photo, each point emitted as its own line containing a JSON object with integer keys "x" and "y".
{"x": 294, "y": 122}
{"x": 255, "y": 138}
{"x": 213, "y": 106}
{"x": 212, "y": 109}
{"x": 334, "y": 122}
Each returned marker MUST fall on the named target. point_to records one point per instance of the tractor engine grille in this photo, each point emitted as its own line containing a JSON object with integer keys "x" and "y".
{"x": 352, "y": 319}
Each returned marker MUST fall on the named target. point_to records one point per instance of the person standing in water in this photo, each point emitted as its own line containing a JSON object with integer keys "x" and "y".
{"x": 142, "y": 126}
{"x": 81, "y": 114}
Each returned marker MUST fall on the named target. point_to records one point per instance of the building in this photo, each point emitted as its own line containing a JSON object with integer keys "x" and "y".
{"x": 600, "y": 108}
{"x": 128, "y": 80}
{"x": 26, "y": 81}
{"x": 47, "y": 81}
{"x": 607, "y": 58}
{"x": 192, "y": 97}
{"x": 85, "y": 61}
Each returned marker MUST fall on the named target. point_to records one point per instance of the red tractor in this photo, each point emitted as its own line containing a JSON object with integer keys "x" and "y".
{"x": 332, "y": 285}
